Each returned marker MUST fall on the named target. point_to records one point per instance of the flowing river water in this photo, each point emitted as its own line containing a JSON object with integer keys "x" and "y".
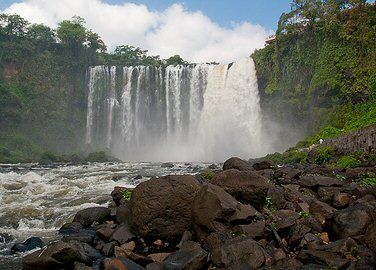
{"x": 37, "y": 201}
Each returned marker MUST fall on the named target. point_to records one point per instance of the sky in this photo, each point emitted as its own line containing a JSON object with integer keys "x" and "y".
{"x": 198, "y": 30}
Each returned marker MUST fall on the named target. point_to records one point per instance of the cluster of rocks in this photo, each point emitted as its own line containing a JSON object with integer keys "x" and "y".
{"x": 248, "y": 216}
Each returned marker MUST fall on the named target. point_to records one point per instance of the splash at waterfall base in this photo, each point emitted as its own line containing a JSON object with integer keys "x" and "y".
{"x": 243, "y": 217}
{"x": 181, "y": 113}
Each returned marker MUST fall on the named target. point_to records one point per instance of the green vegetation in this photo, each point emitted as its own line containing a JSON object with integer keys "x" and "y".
{"x": 321, "y": 69}
{"x": 127, "y": 195}
{"x": 368, "y": 181}
{"x": 348, "y": 161}
{"x": 304, "y": 214}
{"x": 97, "y": 157}
{"x": 42, "y": 86}
{"x": 292, "y": 155}
{"x": 207, "y": 174}
{"x": 323, "y": 154}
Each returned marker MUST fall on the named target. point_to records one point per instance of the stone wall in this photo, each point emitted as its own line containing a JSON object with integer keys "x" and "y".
{"x": 361, "y": 140}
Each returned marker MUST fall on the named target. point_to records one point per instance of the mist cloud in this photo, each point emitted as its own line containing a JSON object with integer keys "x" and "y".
{"x": 174, "y": 30}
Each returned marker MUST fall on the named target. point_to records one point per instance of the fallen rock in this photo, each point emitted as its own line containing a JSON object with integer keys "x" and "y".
{"x": 161, "y": 207}
{"x": 118, "y": 195}
{"x": 352, "y": 221}
{"x": 121, "y": 263}
{"x": 312, "y": 181}
{"x": 94, "y": 214}
{"x": 245, "y": 186}
{"x": 30, "y": 244}
{"x": 297, "y": 232}
{"x": 255, "y": 229}
{"x": 323, "y": 257}
{"x": 263, "y": 165}
{"x": 239, "y": 253}
{"x": 190, "y": 256}
{"x": 321, "y": 209}
{"x": 341, "y": 200}
{"x": 106, "y": 231}
{"x": 212, "y": 205}
{"x": 237, "y": 164}
{"x": 55, "y": 256}
{"x": 370, "y": 236}
{"x": 158, "y": 257}
{"x": 285, "y": 218}
{"x": 70, "y": 228}
{"x": 122, "y": 234}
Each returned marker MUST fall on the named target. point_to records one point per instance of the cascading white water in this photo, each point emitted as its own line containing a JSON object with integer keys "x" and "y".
{"x": 178, "y": 113}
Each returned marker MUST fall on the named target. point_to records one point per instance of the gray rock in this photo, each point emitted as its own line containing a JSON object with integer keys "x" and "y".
{"x": 94, "y": 214}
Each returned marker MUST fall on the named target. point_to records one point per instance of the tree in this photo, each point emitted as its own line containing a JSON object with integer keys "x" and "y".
{"x": 94, "y": 41}
{"x": 72, "y": 32}
{"x": 175, "y": 60}
{"x": 13, "y": 25}
{"x": 41, "y": 32}
{"x": 307, "y": 11}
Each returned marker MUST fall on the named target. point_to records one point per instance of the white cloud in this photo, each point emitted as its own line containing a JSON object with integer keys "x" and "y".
{"x": 172, "y": 31}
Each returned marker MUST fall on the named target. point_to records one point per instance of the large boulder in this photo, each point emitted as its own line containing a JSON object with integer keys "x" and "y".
{"x": 239, "y": 253}
{"x": 93, "y": 214}
{"x": 161, "y": 207}
{"x": 213, "y": 207}
{"x": 245, "y": 186}
{"x": 237, "y": 164}
{"x": 352, "y": 221}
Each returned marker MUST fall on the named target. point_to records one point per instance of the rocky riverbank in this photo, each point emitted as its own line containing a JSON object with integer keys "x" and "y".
{"x": 246, "y": 216}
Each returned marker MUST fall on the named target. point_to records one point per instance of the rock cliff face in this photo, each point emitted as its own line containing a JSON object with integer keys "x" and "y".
{"x": 363, "y": 140}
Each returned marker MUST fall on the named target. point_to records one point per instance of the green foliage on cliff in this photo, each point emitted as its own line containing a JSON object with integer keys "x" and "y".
{"x": 322, "y": 67}
{"x": 43, "y": 88}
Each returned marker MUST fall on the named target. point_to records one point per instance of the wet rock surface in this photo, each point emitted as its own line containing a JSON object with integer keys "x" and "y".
{"x": 248, "y": 216}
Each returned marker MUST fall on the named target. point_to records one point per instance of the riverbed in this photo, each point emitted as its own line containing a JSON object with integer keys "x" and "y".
{"x": 37, "y": 201}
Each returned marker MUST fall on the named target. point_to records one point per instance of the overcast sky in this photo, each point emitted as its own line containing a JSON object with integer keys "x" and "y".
{"x": 198, "y": 30}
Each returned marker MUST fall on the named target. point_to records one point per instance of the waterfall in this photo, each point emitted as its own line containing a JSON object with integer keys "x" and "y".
{"x": 175, "y": 113}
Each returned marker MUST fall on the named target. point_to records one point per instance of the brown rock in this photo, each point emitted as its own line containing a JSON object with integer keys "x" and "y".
{"x": 158, "y": 257}
{"x": 297, "y": 232}
{"x": 57, "y": 255}
{"x": 94, "y": 214}
{"x": 122, "y": 234}
{"x": 263, "y": 165}
{"x": 318, "y": 180}
{"x": 164, "y": 211}
{"x": 212, "y": 205}
{"x": 237, "y": 164}
{"x": 121, "y": 264}
{"x": 239, "y": 253}
{"x": 319, "y": 208}
{"x": 323, "y": 257}
{"x": 105, "y": 231}
{"x": 129, "y": 246}
{"x": 118, "y": 194}
{"x": 370, "y": 236}
{"x": 341, "y": 200}
{"x": 190, "y": 256}
{"x": 285, "y": 218}
{"x": 352, "y": 221}
{"x": 255, "y": 229}
{"x": 245, "y": 186}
